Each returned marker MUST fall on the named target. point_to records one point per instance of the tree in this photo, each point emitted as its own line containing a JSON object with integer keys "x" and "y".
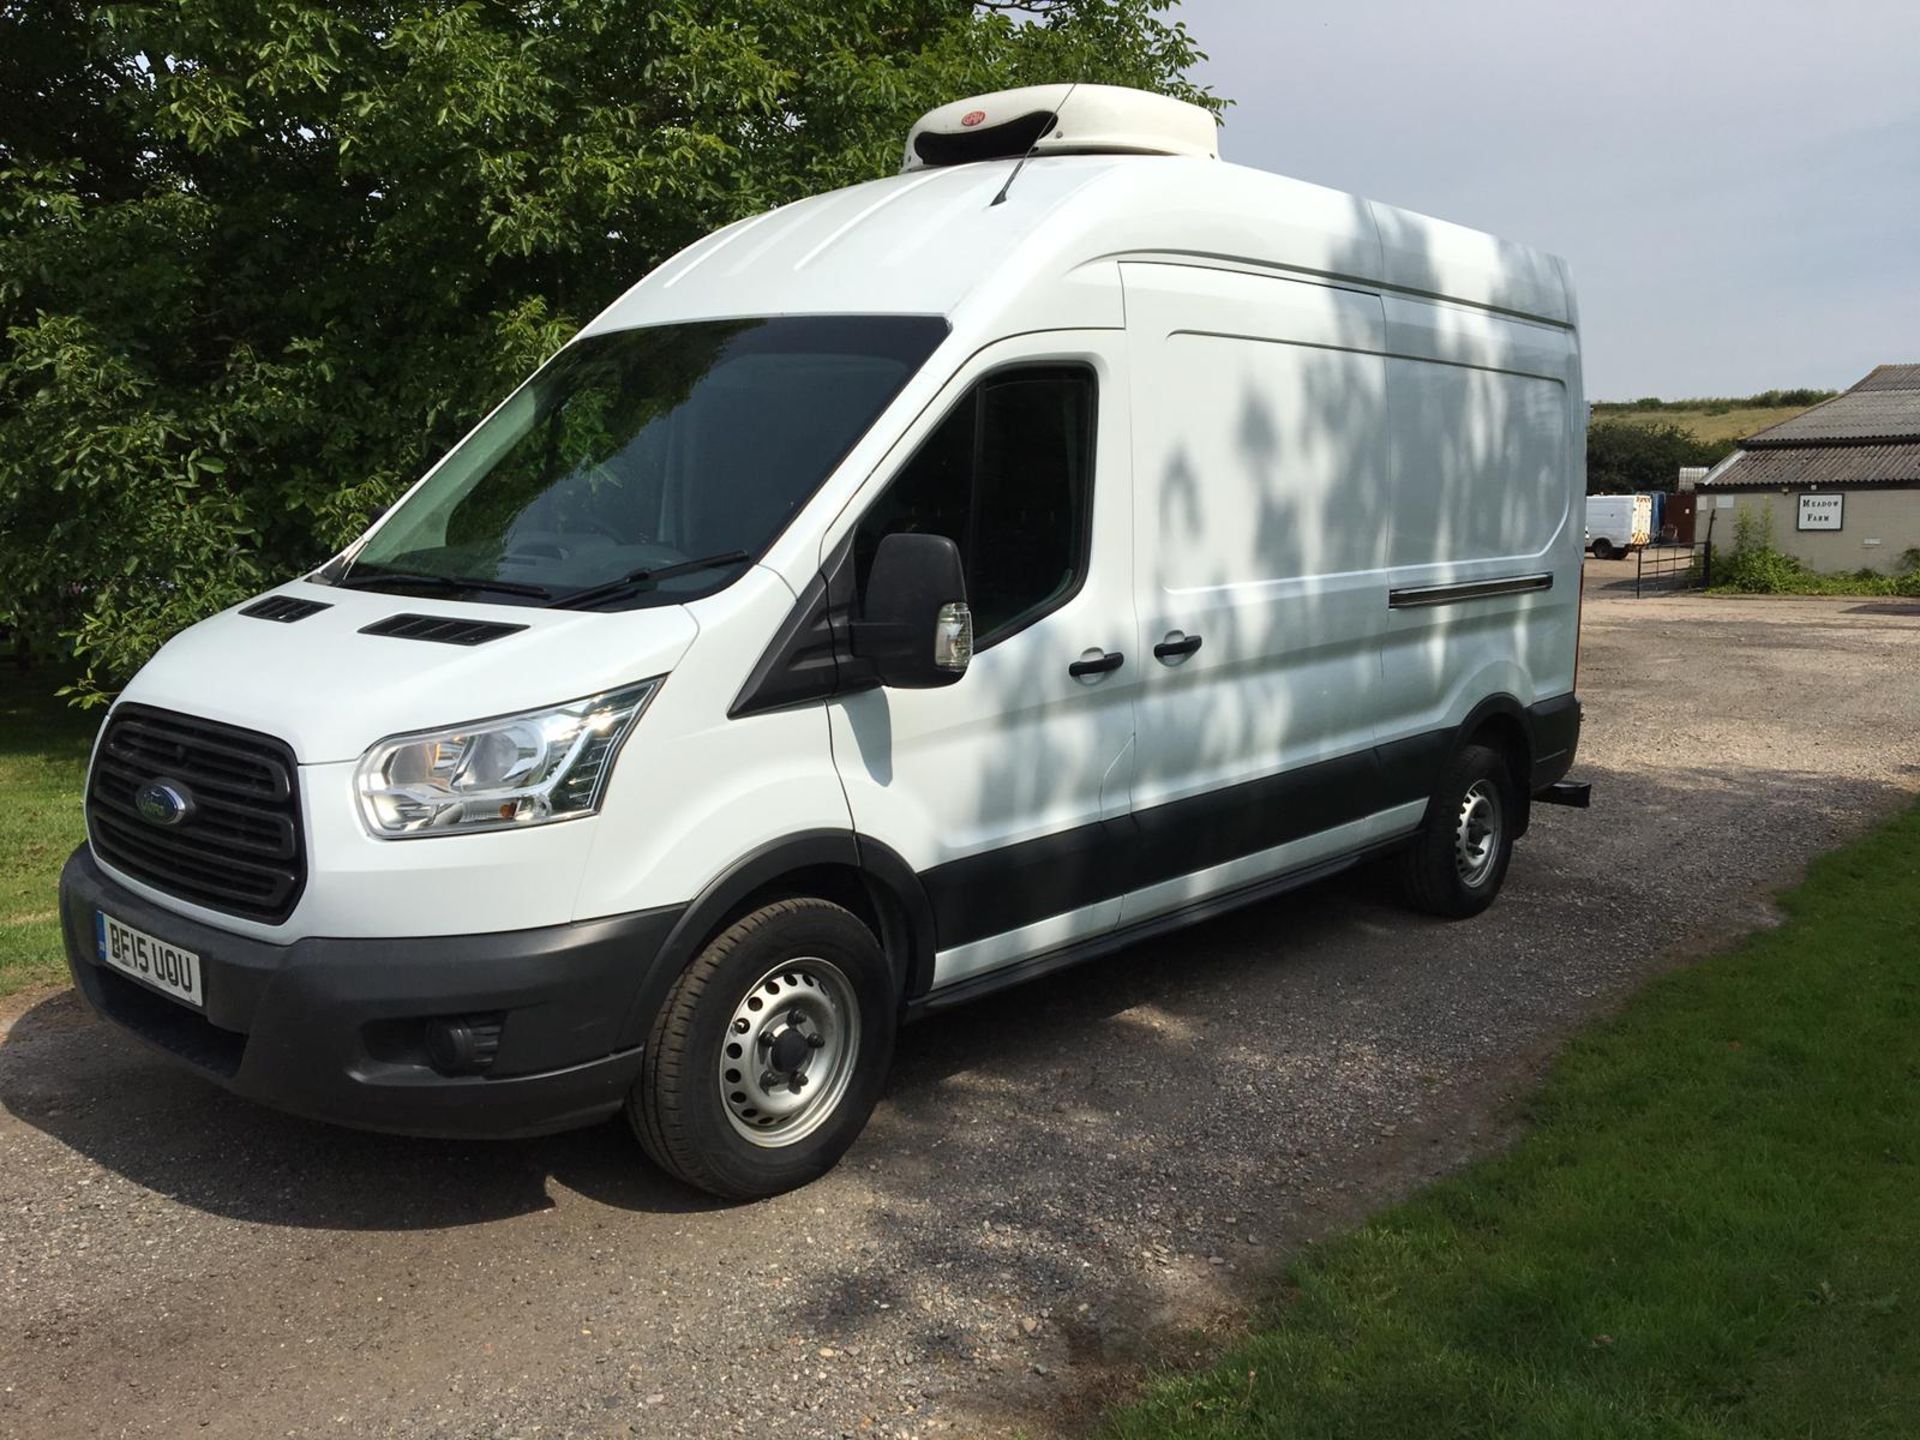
{"x": 262, "y": 260}
{"x": 1625, "y": 456}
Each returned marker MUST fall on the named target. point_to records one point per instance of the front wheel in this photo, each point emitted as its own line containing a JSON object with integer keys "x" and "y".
{"x": 770, "y": 1052}
{"x": 1457, "y": 862}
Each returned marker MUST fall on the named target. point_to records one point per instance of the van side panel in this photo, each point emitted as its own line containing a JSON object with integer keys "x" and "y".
{"x": 1260, "y": 526}
{"x": 1484, "y": 533}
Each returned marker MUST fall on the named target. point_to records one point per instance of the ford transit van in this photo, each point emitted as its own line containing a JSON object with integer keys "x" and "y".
{"x": 892, "y": 597}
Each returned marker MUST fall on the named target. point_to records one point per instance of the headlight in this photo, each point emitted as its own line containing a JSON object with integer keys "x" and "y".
{"x": 498, "y": 774}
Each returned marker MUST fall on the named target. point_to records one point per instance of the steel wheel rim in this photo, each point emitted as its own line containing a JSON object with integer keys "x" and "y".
{"x": 1476, "y": 833}
{"x": 789, "y": 1051}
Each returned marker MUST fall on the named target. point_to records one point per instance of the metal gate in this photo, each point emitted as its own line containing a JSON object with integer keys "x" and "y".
{"x": 1664, "y": 569}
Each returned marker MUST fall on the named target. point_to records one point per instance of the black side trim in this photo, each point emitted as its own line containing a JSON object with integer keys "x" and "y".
{"x": 1006, "y": 141}
{"x": 1224, "y": 825}
{"x": 284, "y": 608}
{"x": 1002, "y": 890}
{"x": 1097, "y": 945}
{"x": 1409, "y": 767}
{"x": 442, "y": 629}
{"x": 1415, "y": 596}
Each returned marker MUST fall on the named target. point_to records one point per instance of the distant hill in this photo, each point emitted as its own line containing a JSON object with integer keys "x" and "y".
{"x": 1714, "y": 419}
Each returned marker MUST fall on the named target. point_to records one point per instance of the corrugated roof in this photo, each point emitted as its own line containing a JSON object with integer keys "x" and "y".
{"x": 1802, "y": 466}
{"x": 1891, "y": 377}
{"x": 1885, "y": 406}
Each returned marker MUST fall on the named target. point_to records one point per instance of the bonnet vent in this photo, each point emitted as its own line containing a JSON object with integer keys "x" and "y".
{"x": 285, "y": 608}
{"x": 442, "y": 629}
{"x": 1059, "y": 120}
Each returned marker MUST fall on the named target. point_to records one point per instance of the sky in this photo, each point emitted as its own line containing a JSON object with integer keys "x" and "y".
{"x": 1736, "y": 183}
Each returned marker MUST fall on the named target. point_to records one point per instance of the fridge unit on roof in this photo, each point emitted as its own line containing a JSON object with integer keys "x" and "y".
{"x": 1063, "y": 119}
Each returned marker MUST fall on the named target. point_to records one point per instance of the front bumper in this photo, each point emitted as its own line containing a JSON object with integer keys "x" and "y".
{"x": 334, "y": 1028}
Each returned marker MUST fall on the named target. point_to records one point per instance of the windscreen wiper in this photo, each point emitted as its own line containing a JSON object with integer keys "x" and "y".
{"x": 638, "y": 580}
{"x": 359, "y": 578}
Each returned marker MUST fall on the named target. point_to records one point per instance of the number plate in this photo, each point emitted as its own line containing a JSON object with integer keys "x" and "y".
{"x": 150, "y": 960}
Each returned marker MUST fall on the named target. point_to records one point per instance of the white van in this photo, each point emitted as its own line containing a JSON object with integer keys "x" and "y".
{"x": 892, "y": 597}
{"x": 1618, "y": 524}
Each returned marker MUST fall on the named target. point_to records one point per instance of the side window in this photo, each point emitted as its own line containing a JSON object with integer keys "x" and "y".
{"x": 1008, "y": 477}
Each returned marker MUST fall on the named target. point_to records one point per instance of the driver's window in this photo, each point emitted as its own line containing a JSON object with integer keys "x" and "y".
{"x": 1008, "y": 477}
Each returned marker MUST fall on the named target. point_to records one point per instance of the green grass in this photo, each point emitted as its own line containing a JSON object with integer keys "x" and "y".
{"x": 43, "y": 756}
{"x": 1855, "y": 585}
{"x": 1708, "y": 423}
{"x": 1712, "y": 1227}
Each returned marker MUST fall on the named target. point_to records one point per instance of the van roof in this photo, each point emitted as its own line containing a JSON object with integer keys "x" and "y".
{"x": 930, "y": 242}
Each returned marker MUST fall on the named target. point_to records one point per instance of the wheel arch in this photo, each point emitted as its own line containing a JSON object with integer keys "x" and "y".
{"x": 1502, "y": 723}
{"x": 863, "y": 876}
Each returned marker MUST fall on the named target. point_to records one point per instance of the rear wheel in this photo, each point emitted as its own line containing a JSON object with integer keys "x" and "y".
{"x": 770, "y": 1052}
{"x": 1603, "y": 550}
{"x": 1457, "y": 863}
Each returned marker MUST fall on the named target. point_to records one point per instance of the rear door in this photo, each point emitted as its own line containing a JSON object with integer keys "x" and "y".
{"x": 1008, "y": 791}
{"x": 1260, "y": 506}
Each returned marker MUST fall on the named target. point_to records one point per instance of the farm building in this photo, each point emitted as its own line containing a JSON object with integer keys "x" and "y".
{"x": 1841, "y": 481}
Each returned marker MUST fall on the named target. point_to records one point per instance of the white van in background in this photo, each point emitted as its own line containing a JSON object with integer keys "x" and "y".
{"x": 892, "y": 597}
{"x": 1618, "y": 524}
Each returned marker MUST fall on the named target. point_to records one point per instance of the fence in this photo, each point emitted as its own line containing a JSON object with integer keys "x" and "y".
{"x": 1666, "y": 568}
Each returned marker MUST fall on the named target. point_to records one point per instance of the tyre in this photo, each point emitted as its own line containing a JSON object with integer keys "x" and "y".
{"x": 1456, "y": 864}
{"x": 1603, "y": 550}
{"x": 769, "y": 1053}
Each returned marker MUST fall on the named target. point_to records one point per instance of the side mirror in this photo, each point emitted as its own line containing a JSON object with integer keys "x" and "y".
{"x": 915, "y": 626}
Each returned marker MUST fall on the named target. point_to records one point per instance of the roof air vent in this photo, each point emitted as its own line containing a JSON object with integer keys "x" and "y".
{"x": 443, "y": 629}
{"x": 285, "y": 608}
{"x": 1059, "y": 120}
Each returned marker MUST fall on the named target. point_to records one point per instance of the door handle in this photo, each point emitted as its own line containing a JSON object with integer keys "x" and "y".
{"x": 1110, "y": 660}
{"x": 1176, "y": 647}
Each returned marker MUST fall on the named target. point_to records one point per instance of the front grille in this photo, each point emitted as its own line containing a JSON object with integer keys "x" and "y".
{"x": 238, "y": 849}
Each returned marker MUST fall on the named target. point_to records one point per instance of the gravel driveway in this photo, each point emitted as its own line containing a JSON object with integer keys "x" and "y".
{"x": 1095, "y": 1173}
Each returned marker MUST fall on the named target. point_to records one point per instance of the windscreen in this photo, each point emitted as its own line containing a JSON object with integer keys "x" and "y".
{"x": 647, "y": 466}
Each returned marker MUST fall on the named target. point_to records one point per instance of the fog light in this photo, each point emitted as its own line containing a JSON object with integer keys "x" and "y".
{"x": 463, "y": 1044}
